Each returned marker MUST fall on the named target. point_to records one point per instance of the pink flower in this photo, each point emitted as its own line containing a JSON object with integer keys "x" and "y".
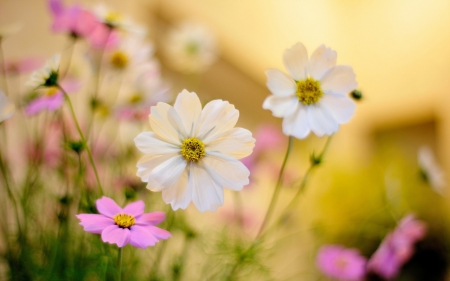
{"x": 79, "y": 22}
{"x": 52, "y": 98}
{"x": 20, "y": 66}
{"x": 341, "y": 263}
{"x": 397, "y": 247}
{"x": 122, "y": 226}
{"x": 267, "y": 137}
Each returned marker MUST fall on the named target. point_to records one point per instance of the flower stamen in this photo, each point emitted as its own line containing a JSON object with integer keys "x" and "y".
{"x": 124, "y": 220}
{"x": 309, "y": 91}
{"x": 119, "y": 60}
{"x": 193, "y": 149}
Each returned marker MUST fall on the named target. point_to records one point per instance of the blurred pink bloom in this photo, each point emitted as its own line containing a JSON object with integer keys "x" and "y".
{"x": 20, "y": 66}
{"x": 247, "y": 219}
{"x": 52, "y": 99}
{"x": 341, "y": 263}
{"x": 80, "y": 22}
{"x": 129, "y": 225}
{"x": 267, "y": 137}
{"x": 397, "y": 247}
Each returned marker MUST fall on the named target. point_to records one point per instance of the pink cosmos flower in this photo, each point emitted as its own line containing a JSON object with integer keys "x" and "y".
{"x": 20, "y": 66}
{"x": 129, "y": 225}
{"x": 52, "y": 98}
{"x": 397, "y": 248}
{"x": 267, "y": 137}
{"x": 341, "y": 263}
{"x": 80, "y": 22}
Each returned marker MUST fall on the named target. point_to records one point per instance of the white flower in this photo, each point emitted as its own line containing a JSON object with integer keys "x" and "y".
{"x": 192, "y": 154}
{"x": 190, "y": 47}
{"x": 430, "y": 170}
{"x": 115, "y": 19}
{"x": 131, "y": 53}
{"x": 6, "y": 107}
{"x": 47, "y": 75}
{"x": 314, "y": 97}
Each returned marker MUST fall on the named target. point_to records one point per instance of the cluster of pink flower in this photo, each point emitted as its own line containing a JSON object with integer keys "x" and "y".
{"x": 394, "y": 251}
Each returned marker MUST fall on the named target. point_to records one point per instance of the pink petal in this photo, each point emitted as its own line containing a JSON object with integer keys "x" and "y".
{"x": 141, "y": 237}
{"x": 159, "y": 233}
{"x": 135, "y": 209}
{"x": 94, "y": 223}
{"x": 116, "y": 235}
{"x": 56, "y": 6}
{"x": 151, "y": 218}
{"x": 106, "y": 206}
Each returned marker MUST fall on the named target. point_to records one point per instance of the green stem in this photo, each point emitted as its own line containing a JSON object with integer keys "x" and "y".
{"x": 3, "y": 66}
{"x": 119, "y": 261}
{"x": 315, "y": 161}
{"x": 277, "y": 189}
{"x": 269, "y": 210}
{"x": 91, "y": 159}
{"x": 9, "y": 191}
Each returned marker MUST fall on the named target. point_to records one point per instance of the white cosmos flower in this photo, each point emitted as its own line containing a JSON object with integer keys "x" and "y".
{"x": 6, "y": 107}
{"x": 430, "y": 169}
{"x": 192, "y": 153}
{"x": 131, "y": 53}
{"x": 314, "y": 96}
{"x": 47, "y": 75}
{"x": 115, "y": 19}
{"x": 190, "y": 47}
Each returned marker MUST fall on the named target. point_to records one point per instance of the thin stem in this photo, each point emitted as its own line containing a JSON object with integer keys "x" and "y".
{"x": 91, "y": 159}
{"x": 277, "y": 189}
{"x": 119, "y": 261}
{"x": 269, "y": 210}
{"x": 315, "y": 161}
{"x": 10, "y": 193}
{"x": 3, "y": 66}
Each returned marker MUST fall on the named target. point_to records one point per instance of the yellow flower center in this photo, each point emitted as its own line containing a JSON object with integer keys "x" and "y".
{"x": 51, "y": 91}
{"x": 309, "y": 91}
{"x": 124, "y": 220}
{"x": 119, "y": 59}
{"x": 193, "y": 149}
{"x": 341, "y": 263}
{"x": 113, "y": 17}
{"x": 136, "y": 98}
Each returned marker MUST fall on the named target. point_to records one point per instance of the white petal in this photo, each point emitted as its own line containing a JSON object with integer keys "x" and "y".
{"x": 237, "y": 143}
{"x": 179, "y": 195}
{"x": 217, "y": 117}
{"x": 341, "y": 107}
{"x": 230, "y": 173}
{"x": 167, "y": 173}
{"x": 320, "y": 120}
{"x": 322, "y": 60}
{"x": 296, "y": 124}
{"x": 279, "y": 83}
{"x": 339, "y": 81}
{"x": 166, "y": 123}
{"x": 281, "y": 106}
{"x": 207, "y": 195}
{"x": 189, "y": 108}
{"x": 150, "y": 143}
{"x": 296, "y": 61}
{"x": 147, "y": 164}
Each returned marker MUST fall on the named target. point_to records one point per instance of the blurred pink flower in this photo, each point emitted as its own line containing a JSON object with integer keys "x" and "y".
{"x": 129, "y": 225}
{"x": 397, "y": 247}
{"x": 52, "y": 98}
{"x": 80, "y": 22}
{"x": 341, "y": 263}
{"x": 20, "y": 66}
{"x": 267, "y": 137}
{"x": 49, "y": 150}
